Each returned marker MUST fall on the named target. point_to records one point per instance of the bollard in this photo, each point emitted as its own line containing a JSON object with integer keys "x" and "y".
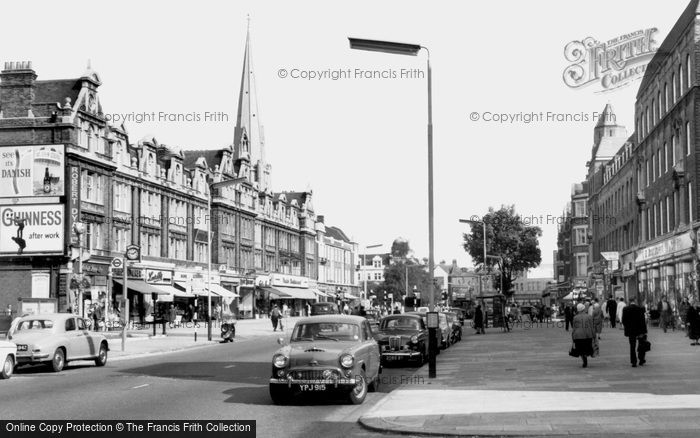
{"x": 195, "y": 336}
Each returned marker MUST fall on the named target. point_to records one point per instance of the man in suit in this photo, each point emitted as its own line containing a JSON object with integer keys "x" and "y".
{"x": 611, "y": 307}
{"x": 635, "y": 327}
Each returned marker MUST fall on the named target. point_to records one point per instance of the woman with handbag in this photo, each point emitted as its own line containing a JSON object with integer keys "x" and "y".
{"x": 583, "y": 334}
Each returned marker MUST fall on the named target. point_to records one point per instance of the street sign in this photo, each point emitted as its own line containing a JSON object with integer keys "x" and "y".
{"x": 432, "y": 320}
{"x": 117, "y": 262}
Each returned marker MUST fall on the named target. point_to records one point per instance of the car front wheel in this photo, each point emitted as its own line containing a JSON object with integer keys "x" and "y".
{"x": 359, "y": 391}
{"x": 101, "y": 358}
{"x": 59, "y": 360}
{"x": 7, "y": 368}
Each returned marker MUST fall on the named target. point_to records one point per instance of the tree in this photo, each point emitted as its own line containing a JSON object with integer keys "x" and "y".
{"x": 395, "y": 272}
{"x": 507, "y": 236}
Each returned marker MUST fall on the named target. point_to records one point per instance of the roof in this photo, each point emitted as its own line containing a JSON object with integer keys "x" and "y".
{"x": 337, "y": 234}
{"x": 607, "y": 117}
{"x": 300, "y": 197}
{"x": 53, "y": 91}
{"x": 213, "y": 157}
{"x": 686, "y": 18}
{"x": 332, "y": 318}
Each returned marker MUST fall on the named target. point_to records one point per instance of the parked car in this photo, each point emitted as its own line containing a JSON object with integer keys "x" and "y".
{"x": 460, "y": 312}
{"x": 443, "y": 332}
{"x": 56, "y": 339}
{"x": 455, "y": 327}
{"x": 403, "y": 337}
{"x": 327, "y": 353}
{"x": 324, "y": 308}
{"x": 8, "y": 359}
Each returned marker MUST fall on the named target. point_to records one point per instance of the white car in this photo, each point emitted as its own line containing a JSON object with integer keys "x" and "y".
{"x": 55, "y": 339}
{"x": 8, "y": 359}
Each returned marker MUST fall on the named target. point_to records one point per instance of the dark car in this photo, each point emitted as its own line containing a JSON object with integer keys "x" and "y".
{"x": 443, "y": 332}
{"x": 455, "y": 326}
{"x": 324, "y": 309}
{"x": 403, "y": 337}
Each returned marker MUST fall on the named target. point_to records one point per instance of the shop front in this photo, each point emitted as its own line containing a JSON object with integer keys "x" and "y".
{"x": 290, "y": 293}
{"x": 150, "y": 293}
{"x": 666, "y": 268}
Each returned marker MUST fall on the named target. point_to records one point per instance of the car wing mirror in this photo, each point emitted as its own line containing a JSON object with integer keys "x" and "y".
{"x": 281, "y": 341}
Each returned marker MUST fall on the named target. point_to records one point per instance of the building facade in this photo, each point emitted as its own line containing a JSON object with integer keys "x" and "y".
{"x": 336, "y": 262}
{"x": 78, "y": 192}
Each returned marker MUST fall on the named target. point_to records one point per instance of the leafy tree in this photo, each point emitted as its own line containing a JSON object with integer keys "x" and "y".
{"x": 395, "y": 272}
{"x": 506, "y": 236}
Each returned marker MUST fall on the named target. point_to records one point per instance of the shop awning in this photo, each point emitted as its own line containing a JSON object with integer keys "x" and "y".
{"x": 349, "y": 296}
{"x": 181, "y": 290}
{"x": 320, "y": 293}
{"x": 143, "y": 287}
{"x": 290, "y": 293}
{"x": 222, "y": 292}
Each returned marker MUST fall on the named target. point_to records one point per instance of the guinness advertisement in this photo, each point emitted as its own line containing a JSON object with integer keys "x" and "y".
{"x": 31, "y": 229}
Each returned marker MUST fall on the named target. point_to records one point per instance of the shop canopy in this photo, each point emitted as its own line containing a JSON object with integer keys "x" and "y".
{"x": 320, "y": 293}
{"x": 222, "y": 292}
{"x": 143, "y": 287}
{"x": 349, "y": 296}
{"x": 181, "y": 290}
{"x": 290, "y": 293}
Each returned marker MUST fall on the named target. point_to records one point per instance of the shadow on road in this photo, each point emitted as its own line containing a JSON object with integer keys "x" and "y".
{"x": 231, "y": 372}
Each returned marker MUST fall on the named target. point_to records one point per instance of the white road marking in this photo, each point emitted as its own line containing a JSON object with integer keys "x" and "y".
{"x": 141, "y": 386}
{"x": 229, "y": 366}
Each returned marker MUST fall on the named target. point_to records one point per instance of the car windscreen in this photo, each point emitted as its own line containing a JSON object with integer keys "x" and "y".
{"x": 34, "y": 324}
{"x": 401, "y": 323}
{"x": 321, "y": 331}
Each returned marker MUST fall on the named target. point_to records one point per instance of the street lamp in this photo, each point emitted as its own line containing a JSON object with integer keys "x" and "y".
{"x": 79, "y": 229}
{"x": 364, "y": 265}
{"x": 412, "y": 50}
{"x": 212, "y": 187}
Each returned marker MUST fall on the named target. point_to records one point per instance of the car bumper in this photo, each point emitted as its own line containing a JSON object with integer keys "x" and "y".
{"x": 32, "y": 358}
{"x": 321, "y": 385}
{"x": 400, "y": 355}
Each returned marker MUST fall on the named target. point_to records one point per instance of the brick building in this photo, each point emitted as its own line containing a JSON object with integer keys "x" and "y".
{"x": 81, "y": 169}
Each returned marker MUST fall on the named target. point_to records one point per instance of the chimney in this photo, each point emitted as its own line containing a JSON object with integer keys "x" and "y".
{"x": 320, "y": 218}
{"x": 17, "y": 89}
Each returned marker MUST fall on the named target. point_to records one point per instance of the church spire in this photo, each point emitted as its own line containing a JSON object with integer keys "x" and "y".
{"x": 248, "y": 141}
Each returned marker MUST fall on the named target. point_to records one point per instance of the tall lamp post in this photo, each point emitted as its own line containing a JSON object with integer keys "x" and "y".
{"x": 79, "y": 229}
{"x": 364, "y": 265}
{"x": 213, "y": 186}
{"x": 412, "y": 50}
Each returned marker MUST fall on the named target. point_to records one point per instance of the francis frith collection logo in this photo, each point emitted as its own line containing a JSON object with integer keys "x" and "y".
{"x": 611, "y": 64}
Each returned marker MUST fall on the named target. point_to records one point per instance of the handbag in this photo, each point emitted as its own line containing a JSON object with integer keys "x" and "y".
{"x": 573, "y": 352}
{"x": 644, "y": 344}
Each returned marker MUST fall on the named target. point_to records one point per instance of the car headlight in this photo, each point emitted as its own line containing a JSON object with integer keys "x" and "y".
{"x": 280, "y": 360}
{"x": 347, "y": 360}
{"x": 414, "y": 339}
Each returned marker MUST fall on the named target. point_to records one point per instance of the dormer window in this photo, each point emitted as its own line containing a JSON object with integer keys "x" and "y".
{"x": 178, "y": 173}
{"x": 151, "y": 164}
{"x": 118, "y": 151}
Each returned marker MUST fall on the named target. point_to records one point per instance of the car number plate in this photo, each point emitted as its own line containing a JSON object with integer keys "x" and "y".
{"x": 312, "y": 387}
{"x": 21, "y": 347}
{"x": 392, "y": 357}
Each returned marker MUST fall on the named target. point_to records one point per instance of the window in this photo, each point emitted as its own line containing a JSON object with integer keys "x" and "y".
{"x": 660, "y": 161}
{"x": 580, "y": 208}
{"x": 662, "y": 218}
{"x": 665, "y": 97}
{"x": 177, "y": 248}
{"x": 92, "y": 187}
{"x": 70, "y": 324}
{"x": 122, "y": 197}
{"x": 668, "y": 215}
{"x": 656, "y": 221}
{"x": 121, "y": 239}
{"x": 687, "y": 138}
{"x": 377, "y": 263}
{"x": 669, "y": 158}
{"x": 680, "y": 79}
{"x": 673, "y": 88}
{"x": 151, "y": 207}
{"x": 90, "y": 140}
{"x": 580, "y": 235}
{"x": 653, "y": 112}
{"x": 581, "y": 265}
{"x": 688, "y": 76}
{"x": 94, "y": 236}
{"x": 647, "y": 174}
{"x": 201, "y": 253}
{"x": 653, "y": 167}
{"x": 377, "y": 276}
{"x": 659, "y": 103}
{"x": 691, "y": 213}
{"x": 150, "y": 244}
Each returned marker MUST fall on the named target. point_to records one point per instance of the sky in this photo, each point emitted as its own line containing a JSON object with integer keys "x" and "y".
{"x": 360, "y": 141}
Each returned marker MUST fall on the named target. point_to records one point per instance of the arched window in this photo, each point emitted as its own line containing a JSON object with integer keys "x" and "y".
{"x": 673, "y": 88}
{"x": 653, "y": 112}
{"x": 665, "y": 97}
{"x": 680, "y": 79}
{"x": 688, "y": 75}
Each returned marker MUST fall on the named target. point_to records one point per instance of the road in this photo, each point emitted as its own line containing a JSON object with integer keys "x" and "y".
{"x": 222, "y": 381}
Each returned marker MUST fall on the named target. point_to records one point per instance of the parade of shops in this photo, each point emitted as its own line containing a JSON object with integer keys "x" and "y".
{"x": 78, "y": 199}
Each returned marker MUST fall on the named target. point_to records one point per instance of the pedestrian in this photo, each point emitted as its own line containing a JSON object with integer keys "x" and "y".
{"x": 479, "y": 320}
{"x": 274, "y": 317}
{"x": 548, "y": 314}
{"x": 346, "y": 309}
{"x": 583, "y": 334}
{"x": 683, "y": 313}
{"x": 173, "y": 314}
{"x": 568, "y": 316}
{"x": 285, "y": 310}
{"x": 308, "y": 309}
{"x": 598, "y": 317}
{"x": 97, "y": 316}
{"x": 665, "y": 314}
{"x": 611, "y": 307}
{"x": 693, "y": 318}
{"x": 620, "y": 307}
{"x": 635, "y": 325}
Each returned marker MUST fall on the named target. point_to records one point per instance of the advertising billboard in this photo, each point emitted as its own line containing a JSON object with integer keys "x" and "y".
{"x": 31, "y": 229}
{"x": 36, "y": 170}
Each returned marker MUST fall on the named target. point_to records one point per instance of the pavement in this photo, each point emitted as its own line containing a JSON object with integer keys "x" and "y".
{"x": 523, "y": 383}
{"x": 140, "y": 340}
